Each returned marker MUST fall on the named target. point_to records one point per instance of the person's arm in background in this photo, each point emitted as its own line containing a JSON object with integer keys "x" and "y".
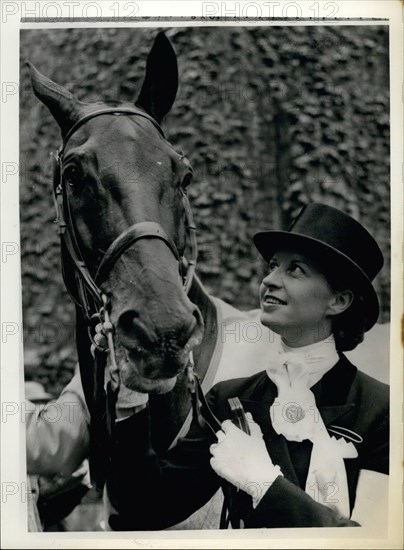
{"x": 57, "y": 433}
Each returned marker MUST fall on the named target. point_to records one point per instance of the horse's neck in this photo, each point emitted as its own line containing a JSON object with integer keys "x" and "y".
{"x": 203, "y": 353}
{"x": 197, "y": 293}
{"x": 199, "y": 296}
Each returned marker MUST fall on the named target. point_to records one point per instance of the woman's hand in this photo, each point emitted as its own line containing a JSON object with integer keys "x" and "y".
{"x": 243, "y": 459}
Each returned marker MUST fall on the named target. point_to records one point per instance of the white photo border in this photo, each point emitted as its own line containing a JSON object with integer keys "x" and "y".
{"x": 14, "y": 516}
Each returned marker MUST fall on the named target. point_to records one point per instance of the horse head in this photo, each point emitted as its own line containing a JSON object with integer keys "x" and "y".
{"x": 120, "y": 176}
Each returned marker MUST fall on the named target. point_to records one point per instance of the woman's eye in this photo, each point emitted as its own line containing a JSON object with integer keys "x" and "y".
{"x": 272, "y": 266}
{"x": 73, "y": 175}
{"x": 296, "y": 268}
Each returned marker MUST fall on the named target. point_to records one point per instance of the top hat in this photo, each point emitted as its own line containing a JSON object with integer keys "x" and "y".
{"x": 340, "y": 240}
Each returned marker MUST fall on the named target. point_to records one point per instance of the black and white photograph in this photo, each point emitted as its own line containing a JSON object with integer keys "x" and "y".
{"x": 206, "y": 223}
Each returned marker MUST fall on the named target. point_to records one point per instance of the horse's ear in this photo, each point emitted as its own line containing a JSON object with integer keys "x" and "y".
{"x": 161, "y": 81}
{"x": 64, "y": 107}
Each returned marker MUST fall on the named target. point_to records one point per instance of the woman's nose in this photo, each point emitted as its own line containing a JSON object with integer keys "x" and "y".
{"x": 273, "y": 278}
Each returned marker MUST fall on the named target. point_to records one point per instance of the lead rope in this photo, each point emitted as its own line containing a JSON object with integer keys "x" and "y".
{"x": 108, "y": 331}
{"x": 200, "y": 408}
{"x": 204, "y": 417}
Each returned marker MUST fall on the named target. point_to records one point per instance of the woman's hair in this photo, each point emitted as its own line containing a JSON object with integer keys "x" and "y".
{"x": 349, "y": 326}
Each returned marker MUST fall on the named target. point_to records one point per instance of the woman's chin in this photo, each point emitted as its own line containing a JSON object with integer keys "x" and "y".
{"x": 268, "y": 321}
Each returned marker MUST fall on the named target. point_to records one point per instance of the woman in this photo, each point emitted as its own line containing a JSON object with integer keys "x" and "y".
{"x": 319, "y": 427}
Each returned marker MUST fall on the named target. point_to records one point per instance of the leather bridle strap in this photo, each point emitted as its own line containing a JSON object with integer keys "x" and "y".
{"x": 68, "y": 239}
{"x": 141, "y": 230}
{"x": 108, "y": 111}
{"x": 201, "y": 411}
{"x": 192, "y": 243}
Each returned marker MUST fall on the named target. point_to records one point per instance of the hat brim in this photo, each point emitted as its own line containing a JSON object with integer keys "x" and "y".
{"x": 269, "y": 242}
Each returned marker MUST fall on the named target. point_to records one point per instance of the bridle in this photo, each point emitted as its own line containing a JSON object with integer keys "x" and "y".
{"x": 86, "y": 292}
{"x": 85, "y": 289}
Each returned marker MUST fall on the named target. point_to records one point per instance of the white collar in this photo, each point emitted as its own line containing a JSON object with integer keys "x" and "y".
{"x": 306, "y": 362}
{"x": 324, "y": 348}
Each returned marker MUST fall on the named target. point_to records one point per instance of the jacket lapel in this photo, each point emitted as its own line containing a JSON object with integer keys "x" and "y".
{"x": 331, "y": 397}
{"x": 332, "y": 393}
{"x": 336, "y": 413}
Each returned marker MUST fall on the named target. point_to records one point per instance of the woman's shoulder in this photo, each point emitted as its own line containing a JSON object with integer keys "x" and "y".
{"x": 368, "y": 390}
{"x": 371, "y": 383}
{"x": 376, "y": 392}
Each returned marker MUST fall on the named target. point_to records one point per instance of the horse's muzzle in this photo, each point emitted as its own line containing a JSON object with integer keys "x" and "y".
{"x": 159, "y": 350}
{"x": 135, "y": 333}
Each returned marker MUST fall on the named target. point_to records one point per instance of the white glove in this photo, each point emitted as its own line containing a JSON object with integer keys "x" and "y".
{"x": 243, "y": 459}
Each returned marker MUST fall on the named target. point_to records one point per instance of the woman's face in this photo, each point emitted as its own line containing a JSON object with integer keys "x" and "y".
{"x": 296, "y": 300}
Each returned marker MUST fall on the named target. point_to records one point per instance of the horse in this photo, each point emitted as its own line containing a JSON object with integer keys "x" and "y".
{"x": 126, "y": 226}
{"x": 125, "y": 222}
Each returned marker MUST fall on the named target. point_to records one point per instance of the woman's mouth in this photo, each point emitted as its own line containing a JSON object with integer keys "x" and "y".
{"x": 270, "y": 300}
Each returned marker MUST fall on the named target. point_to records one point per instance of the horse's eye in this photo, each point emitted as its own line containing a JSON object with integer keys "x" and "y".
{"x": 73, "y": 175}
{"x": 186, "y": 180}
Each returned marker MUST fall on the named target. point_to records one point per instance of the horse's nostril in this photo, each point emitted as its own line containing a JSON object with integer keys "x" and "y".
{"x": 125, "y": 322}
{"x": 131, "y": 331}
{"x": 168, "y": 336}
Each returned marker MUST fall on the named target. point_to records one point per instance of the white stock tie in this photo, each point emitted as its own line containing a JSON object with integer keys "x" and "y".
{"x": 294, "y": 414}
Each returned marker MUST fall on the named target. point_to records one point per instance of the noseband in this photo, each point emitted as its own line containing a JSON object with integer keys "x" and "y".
{"x": 85, "y": 289}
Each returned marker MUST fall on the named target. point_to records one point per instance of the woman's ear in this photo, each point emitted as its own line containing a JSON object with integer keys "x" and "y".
{"x": 340, "y": 302}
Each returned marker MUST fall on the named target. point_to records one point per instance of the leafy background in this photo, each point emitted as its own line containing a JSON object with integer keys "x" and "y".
{"x": 270, "y": 118}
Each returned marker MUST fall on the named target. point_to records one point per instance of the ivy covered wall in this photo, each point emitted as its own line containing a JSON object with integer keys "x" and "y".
{"x": 270, "y": 118}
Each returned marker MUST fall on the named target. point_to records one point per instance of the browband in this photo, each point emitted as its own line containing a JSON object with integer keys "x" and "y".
{"x": 110, "y": 111}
